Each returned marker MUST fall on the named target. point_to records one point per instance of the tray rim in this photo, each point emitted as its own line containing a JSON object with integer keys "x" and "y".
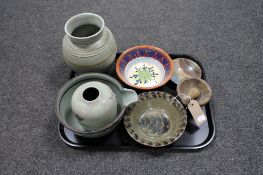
{"x": 204, "y": 144}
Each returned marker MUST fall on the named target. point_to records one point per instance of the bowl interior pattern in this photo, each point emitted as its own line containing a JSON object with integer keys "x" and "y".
{"x": 156, "y": 120}
{"x": 161, "y": 62}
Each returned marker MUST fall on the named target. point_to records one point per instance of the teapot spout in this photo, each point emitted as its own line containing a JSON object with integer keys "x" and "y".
{"x": 129, "y": 96}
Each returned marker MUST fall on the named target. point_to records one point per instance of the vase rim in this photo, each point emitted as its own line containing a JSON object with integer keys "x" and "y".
{"x": 75, "y": 17}
{"x": 95, "y": 99}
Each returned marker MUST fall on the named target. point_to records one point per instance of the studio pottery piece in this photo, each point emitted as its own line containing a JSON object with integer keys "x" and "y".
{"x": 95, "y": 104}
{"x": 157, "y": 119}
{"x": 92, "y": 104}
{"x": 144, "y": 67}
{"x": 88, "y": 45}
{"x": 196, "y": 88}
{"x": 185, "y": 68}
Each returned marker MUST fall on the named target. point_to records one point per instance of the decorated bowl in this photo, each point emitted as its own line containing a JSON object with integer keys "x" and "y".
{"x": 144, "y": 67}
{"x": 158, "y": 119}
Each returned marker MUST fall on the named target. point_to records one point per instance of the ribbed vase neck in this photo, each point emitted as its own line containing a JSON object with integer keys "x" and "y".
{"x": 85, "y": 40}
{"x": 84, "y": 28}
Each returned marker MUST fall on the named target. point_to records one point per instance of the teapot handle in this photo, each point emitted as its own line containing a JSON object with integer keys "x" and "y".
{"x": 129, "y": 96}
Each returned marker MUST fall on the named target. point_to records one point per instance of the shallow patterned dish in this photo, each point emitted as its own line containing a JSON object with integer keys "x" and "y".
{"x": 144, "y": 67}
{"x": 157, "y": 119}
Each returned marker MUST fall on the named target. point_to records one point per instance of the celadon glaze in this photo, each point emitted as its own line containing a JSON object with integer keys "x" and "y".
{"x": 71, "y": 121}
{"x": 98, "y": 111}
{"x": 94, "y": 53}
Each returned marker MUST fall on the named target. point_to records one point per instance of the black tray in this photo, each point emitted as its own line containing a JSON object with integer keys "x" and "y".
{"x": 193, "y": 138}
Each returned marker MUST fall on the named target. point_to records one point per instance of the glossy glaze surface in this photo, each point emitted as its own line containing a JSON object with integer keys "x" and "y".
{"x": 185, "y": 68}
{"x": 144, "y": 67}
{"x": 156, "y": 120}
{"x": 67, "y": 117}
{"x": 95, "y": 104}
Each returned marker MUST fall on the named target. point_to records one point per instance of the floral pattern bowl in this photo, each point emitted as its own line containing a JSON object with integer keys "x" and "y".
{"x": 144, "y": 67}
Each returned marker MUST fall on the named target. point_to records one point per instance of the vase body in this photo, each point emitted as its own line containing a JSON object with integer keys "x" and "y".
{"x": 70, "y": 100}
{"x": 94, "y": 103}
{"x": 88, "y": 45}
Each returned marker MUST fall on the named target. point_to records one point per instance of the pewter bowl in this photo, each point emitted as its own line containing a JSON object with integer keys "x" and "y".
{"x": 156, "y": 120}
